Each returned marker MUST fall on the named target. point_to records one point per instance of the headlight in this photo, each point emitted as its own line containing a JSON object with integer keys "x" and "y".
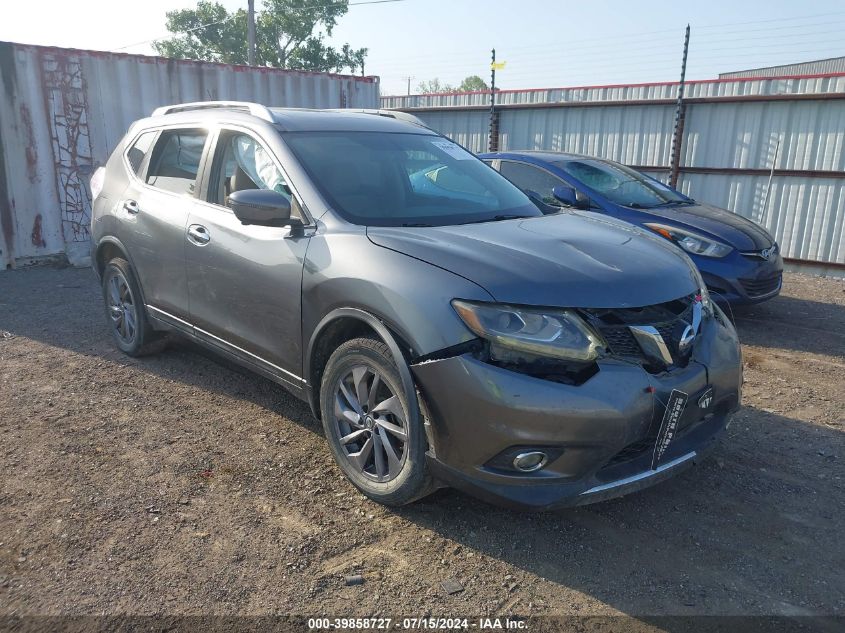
{"x": 691, "y": 242}
{"x": 548, "y": 333}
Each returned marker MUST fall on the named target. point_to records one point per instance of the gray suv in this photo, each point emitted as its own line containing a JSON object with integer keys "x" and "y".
{"x": 446, "y": 328}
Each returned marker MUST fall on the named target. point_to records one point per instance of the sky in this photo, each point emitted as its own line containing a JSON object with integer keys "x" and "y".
{"x": 545, "y": 43}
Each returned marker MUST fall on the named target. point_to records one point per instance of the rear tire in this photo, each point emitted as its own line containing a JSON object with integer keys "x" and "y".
{"x": 376, "y": 441}
{"x": 125, "y": 312}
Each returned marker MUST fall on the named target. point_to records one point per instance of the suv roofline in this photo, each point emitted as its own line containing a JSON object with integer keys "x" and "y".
{"x": 272, "y": 115}
{"x": 391, "y": 114}
{"x": 255, "y": 109}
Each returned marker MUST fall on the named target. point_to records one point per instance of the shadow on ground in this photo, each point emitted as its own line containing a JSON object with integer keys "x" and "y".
{"x": 751, "y": 529}
{"x": 755, "y": 529}
{"x": 794, "y": 324}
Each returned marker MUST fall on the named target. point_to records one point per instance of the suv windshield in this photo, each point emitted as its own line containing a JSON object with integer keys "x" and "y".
{"x": 390, "y": 179}
{"x": 621, "y": 184}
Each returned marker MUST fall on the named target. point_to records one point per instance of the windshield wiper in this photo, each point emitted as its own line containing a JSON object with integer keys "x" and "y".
{"x": 409, "y": 224}
{"x": 498, "y": 218}
{"x": 668, "y": 203}
{"x": 673, "y": 203}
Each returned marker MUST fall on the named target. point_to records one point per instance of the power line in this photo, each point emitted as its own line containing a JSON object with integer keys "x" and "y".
{"x": 320, "y": 5}
{"x": 701, "y": 52}
{"x": 638, "y": 68}
{"x": 770, "y": 29}
{"x": 696, "y": 36}
{"x": 696, "y": 63}
{"x": 569, "y": 49}
{"x": 659, "y": 64}
{"x": 786, "y": 19}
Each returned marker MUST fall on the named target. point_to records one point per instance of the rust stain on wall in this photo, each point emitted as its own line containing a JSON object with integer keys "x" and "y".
{"x": 31, "y": 149}
{"x": 66, "y": 101}
{"x": 37, "y": 237}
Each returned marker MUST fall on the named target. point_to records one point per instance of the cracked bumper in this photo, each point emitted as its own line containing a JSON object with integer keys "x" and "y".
{"x": 479, "y": 410}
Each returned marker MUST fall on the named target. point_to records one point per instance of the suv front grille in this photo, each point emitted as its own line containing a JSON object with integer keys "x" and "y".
{"x": 620, "y": 341}
{"x": 669, "y": 319}
{"x": 761, "y": 287}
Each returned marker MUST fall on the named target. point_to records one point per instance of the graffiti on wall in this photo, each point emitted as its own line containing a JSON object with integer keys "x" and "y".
{"x": 67, "y": 113}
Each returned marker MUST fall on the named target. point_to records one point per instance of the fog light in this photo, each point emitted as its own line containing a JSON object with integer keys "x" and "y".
{"x": 531, "y": 461}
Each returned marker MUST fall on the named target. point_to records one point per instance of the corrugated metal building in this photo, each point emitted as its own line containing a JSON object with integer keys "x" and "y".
{"x": 815, "y": 67}
{"x": 735, "y": 132}
{"x": 707, "y": 88}
{"x": 62, "y": 111}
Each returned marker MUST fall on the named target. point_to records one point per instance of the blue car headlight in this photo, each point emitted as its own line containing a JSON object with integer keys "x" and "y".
{"x": 691, "y": 242}
{"x": 538, "y": 332}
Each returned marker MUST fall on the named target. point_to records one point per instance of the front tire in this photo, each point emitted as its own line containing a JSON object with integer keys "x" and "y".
{"x": 127, "y": 318}
{"x": 376, "y": 441}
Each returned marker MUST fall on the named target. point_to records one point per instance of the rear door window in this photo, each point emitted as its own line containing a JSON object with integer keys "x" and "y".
{"x": 176, "y": 159}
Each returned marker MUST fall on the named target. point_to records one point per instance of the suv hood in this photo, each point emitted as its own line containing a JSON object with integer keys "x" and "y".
{"x": 730, "y": 228}
{"x": 570, "y": 259}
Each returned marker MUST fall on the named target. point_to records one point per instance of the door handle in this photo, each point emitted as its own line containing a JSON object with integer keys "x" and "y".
{"x": 131, "y": 206}
{"x": 198, "y": 234}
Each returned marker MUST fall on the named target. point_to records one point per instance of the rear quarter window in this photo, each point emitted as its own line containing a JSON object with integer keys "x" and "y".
{"x": 139, "y": 150}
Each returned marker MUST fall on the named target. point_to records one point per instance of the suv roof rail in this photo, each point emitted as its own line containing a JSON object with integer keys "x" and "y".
{"x": 392, "y": 114}
{"x": 255, "y": 109}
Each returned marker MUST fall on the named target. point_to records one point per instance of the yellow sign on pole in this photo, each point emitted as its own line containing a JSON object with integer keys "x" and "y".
{"x": 497, "y": 65}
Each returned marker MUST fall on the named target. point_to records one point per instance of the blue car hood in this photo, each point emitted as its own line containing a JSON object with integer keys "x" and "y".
{"x": 570, "y": 259}
{"x": 730, "y": 228}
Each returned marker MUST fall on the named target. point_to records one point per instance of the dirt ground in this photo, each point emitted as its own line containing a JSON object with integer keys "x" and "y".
{"x": 178, "y": 485}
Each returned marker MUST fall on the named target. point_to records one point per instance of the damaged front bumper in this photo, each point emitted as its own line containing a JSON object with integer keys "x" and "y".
{"x": 599, "y": 435}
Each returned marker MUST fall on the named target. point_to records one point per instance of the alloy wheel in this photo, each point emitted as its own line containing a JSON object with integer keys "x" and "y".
{"x": 122, "y": 308}
{"x": 370, "y": 423}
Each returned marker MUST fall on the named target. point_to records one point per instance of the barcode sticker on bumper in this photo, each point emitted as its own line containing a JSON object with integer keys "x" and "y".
{"x": 674, "y": 410}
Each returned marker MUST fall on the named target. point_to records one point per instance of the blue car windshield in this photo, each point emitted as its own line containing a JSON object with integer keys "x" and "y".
{"x": 399, "y": 179}
{"x": 622, "y": 185}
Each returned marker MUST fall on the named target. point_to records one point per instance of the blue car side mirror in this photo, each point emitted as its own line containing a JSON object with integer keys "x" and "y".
{"x": 571, "y": 198}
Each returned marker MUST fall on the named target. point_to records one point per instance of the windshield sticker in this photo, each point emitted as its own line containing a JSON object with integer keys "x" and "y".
{"x": 455, "y": 151}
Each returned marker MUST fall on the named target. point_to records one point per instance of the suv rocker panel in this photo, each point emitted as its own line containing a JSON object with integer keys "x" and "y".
{"x": 233, "y": 352}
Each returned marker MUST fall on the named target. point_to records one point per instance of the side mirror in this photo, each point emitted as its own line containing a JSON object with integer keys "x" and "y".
{"x": 537, "y": 199}
{"x": 262, "y": 207}
{"x": 571, "y": 198}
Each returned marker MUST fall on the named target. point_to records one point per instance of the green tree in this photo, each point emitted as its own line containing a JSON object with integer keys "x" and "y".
{"x": 432, "y": 86}
{"x": 472, "y": 84}
{"x": 288, "y": 34}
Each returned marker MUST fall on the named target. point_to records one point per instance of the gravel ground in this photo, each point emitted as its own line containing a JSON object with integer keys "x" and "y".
{"x": 179, "y": 485}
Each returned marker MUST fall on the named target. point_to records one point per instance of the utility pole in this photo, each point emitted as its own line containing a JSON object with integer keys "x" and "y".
{"x": 250, "y": 32}
{"x": 494, "y": 124}
{"x": 409, "y": 77}
{"x": 680, "y": 115}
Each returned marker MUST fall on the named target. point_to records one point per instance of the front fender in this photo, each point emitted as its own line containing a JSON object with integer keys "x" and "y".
{"x": 410, "y": 297}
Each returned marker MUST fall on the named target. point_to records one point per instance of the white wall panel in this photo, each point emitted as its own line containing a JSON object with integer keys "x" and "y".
{"x": 62, "y": 111}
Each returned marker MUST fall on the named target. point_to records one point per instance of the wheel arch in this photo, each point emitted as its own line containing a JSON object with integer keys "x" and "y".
{"x": 344, "y": 324}
{"x": 107, "y": 249}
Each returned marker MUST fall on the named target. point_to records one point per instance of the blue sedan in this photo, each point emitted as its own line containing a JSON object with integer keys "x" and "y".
{"x": 739, "y": 260}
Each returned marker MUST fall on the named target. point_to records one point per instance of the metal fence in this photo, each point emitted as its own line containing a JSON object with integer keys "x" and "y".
{"x": 62, "y": 111}
{"x": 735, "y": 132}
